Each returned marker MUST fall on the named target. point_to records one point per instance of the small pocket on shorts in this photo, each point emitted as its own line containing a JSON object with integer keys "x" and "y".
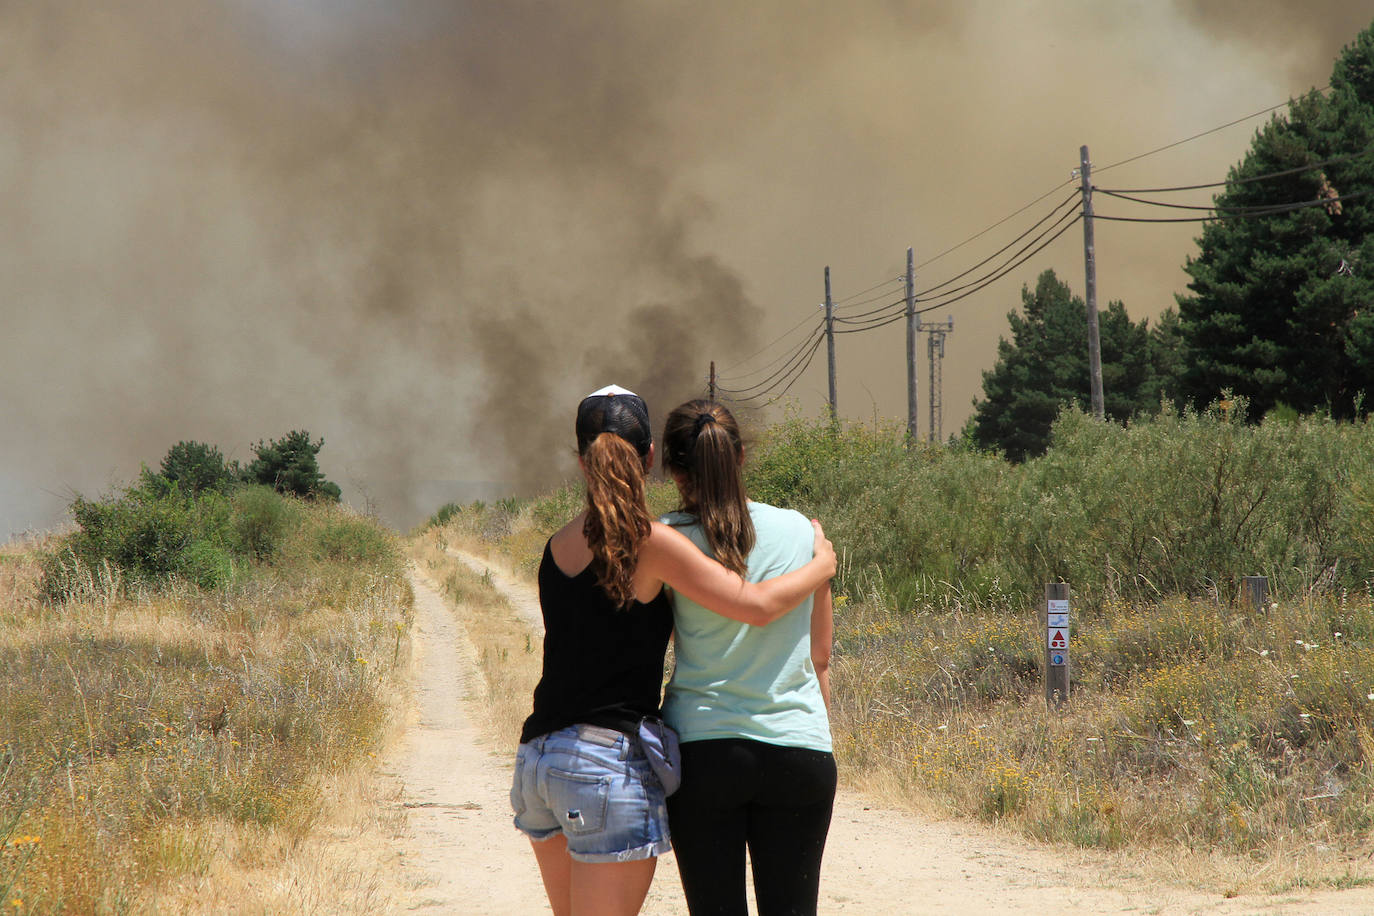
{"x": 579, "y": 800}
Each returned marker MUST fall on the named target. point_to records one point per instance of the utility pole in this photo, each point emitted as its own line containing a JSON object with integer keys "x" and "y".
{"x": 1090, "y": 284}
{"x": 912, "y": 321}
{"x": 712, "y": 388}
{"x": 830, "y": 343}
{"x": 935, "y": 354}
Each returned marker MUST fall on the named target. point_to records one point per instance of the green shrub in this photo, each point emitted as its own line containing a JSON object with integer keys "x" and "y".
{"x": 196, "y": 467}
{"x": 351, "y": 539}
{"x": 1184, "y": 503}
{"x": 261, "y": 521}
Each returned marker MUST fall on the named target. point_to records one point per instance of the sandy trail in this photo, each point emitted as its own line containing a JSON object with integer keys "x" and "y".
{"x": 463, "y": 856}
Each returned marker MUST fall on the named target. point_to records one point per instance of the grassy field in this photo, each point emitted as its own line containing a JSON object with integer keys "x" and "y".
{"x": 167, "y": 747}
{"x": 1238, "y": 736}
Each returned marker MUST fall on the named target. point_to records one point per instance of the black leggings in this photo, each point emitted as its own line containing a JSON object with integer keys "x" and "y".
{"x": 777, "y": 800}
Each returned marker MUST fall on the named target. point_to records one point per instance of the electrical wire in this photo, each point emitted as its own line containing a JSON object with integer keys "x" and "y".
{"x": 1063, "y": 211}
{"x": 1004, "y": 271}
{"x": 861, "y": 292}
{"x": 884, "y": 317}
{"x": 800, "y": 371}
{"x": 1336, "y": 160}
{"x": 999, "y": 251}
{"x": 857, "y": 319}
{"x": 796, "y": 356}
{"x": 1004, "y": 219}
{"x": 1235, "y": 213}
{"x": 854, "y": 305}
{"x": 764, "y": 349}
{"x": 1213, "y": 130}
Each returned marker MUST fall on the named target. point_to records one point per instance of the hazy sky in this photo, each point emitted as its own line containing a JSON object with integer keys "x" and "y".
{"x": 422, "y": 229}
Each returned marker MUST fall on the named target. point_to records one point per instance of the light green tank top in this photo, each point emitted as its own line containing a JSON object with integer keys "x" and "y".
{"x": 734, "y": 680}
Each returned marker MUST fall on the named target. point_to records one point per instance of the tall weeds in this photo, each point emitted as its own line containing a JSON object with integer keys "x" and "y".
{"x": 139, "y": 725}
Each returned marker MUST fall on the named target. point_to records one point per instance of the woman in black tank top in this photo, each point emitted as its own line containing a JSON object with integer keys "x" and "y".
{"x": 583, "y": 791}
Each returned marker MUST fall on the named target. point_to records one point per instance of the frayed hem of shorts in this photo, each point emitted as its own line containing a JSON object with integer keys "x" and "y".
{"x": 647, "y": 851}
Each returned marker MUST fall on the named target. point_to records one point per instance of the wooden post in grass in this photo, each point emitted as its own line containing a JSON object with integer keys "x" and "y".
{"x": 1056, "y": 644}
{"x": 1254, "y": 592}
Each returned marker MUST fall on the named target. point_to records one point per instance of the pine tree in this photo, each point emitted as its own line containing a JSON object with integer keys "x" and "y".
{"x": 1044, "y": 367}
{"x": 1280, "y": 303}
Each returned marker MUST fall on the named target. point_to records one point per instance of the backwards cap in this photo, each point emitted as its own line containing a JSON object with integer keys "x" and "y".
{"x": 614, "y": 410}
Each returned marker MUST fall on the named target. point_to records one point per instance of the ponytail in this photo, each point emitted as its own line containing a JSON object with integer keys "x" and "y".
{"x": 701, "y": 443}
{"x": 617, "y": 517}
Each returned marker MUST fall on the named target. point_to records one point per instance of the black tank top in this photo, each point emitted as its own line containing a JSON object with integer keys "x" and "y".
{"x": 603, "y": 665}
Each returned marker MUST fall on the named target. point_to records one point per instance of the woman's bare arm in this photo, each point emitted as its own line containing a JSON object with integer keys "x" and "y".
{"x": 822, "y": 638}
{"x": 671, "y": 557}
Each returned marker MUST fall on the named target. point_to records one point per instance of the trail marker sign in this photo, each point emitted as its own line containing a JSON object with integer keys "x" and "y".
{"x": 1056, "y": 643}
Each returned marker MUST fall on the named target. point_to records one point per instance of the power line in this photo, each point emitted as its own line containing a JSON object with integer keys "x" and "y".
{"x": 1032, "y": 248}
{"x": 1010, "y": 215}
{"x": 855, "y": 319}
{"x": 999, "y": 251}
{"x": 1233, "y": 212}
{"x": 1336, "y": 160}
{"x": 797, "y": 374}
{"x": 861, "y": 292}
{"x": 1006, "y": 270}
{"x": 792, "y": 360}
{"x": 765, "y": 348}
{"x": 1205, "y": 133}
{"x": 854, "y": 305}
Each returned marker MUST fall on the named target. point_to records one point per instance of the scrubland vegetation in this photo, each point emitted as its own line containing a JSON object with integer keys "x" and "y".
{"x": 188, "y": 680}
{"x": 1195, "y": 721}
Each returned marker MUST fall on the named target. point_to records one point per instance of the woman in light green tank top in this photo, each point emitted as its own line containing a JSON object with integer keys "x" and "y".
{"x": 749, "y": 702}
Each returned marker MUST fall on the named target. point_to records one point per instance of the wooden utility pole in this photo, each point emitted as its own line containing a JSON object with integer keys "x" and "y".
{"x": 830, "y": 343}
{"x": 712, "y": 388}
{"x": 911, "y": 323}
{"x": 1090, "y": 284}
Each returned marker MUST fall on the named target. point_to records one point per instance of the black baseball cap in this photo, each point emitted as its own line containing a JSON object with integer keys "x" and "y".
{"x": 614, "y": 410}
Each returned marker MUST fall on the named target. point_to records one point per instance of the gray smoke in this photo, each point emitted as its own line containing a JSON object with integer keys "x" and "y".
{"x": 423, "y": 229}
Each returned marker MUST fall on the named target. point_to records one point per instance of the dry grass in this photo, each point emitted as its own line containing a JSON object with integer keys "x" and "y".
{"x": 1240, "y": 740}
{"x": 193, "y": 751}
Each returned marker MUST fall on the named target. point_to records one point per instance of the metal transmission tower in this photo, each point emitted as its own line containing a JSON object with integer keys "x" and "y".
{"x": 935, "y": 354}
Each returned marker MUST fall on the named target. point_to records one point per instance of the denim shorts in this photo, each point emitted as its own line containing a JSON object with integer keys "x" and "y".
{"x": 594, "y": 786}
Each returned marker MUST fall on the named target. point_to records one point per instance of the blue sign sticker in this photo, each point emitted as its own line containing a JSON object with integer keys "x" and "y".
{"x": 1058, "y": 659}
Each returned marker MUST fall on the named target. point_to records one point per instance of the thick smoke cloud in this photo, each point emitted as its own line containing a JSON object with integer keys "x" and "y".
{"x": 422, "y": 229}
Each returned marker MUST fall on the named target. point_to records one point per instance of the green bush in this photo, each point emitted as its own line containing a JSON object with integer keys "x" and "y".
{"x": 196, "y": 467}
{"x": 261, "y": 521}
{"x": 352, "y": 539}
{"x": 1184, "y": 503}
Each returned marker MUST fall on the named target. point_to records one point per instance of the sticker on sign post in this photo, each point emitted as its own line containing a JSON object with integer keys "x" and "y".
{"x": 1058, "y": 620}
{"x": 1058, "y": 638}
{"x": 1059, "y": 659}
{"x": 1058, "y": 605}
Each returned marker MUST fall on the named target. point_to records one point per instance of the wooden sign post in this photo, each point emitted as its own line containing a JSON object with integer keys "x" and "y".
{"x": 1056, "y": 644}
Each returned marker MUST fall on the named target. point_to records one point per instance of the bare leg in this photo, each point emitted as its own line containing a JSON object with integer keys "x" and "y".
{"x": 610, "y": 888}
{"x": 555, "y": 867}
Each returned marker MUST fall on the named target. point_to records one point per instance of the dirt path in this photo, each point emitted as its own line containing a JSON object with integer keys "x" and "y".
{"x": 462, "y": 855}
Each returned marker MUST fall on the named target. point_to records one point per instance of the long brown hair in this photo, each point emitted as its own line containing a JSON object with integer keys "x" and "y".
{"x": 618, "y": 521}
{"x": 702, "y": 444}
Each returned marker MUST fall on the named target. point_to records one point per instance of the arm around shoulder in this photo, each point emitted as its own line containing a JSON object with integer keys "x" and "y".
{"x": 670, "y": 556}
